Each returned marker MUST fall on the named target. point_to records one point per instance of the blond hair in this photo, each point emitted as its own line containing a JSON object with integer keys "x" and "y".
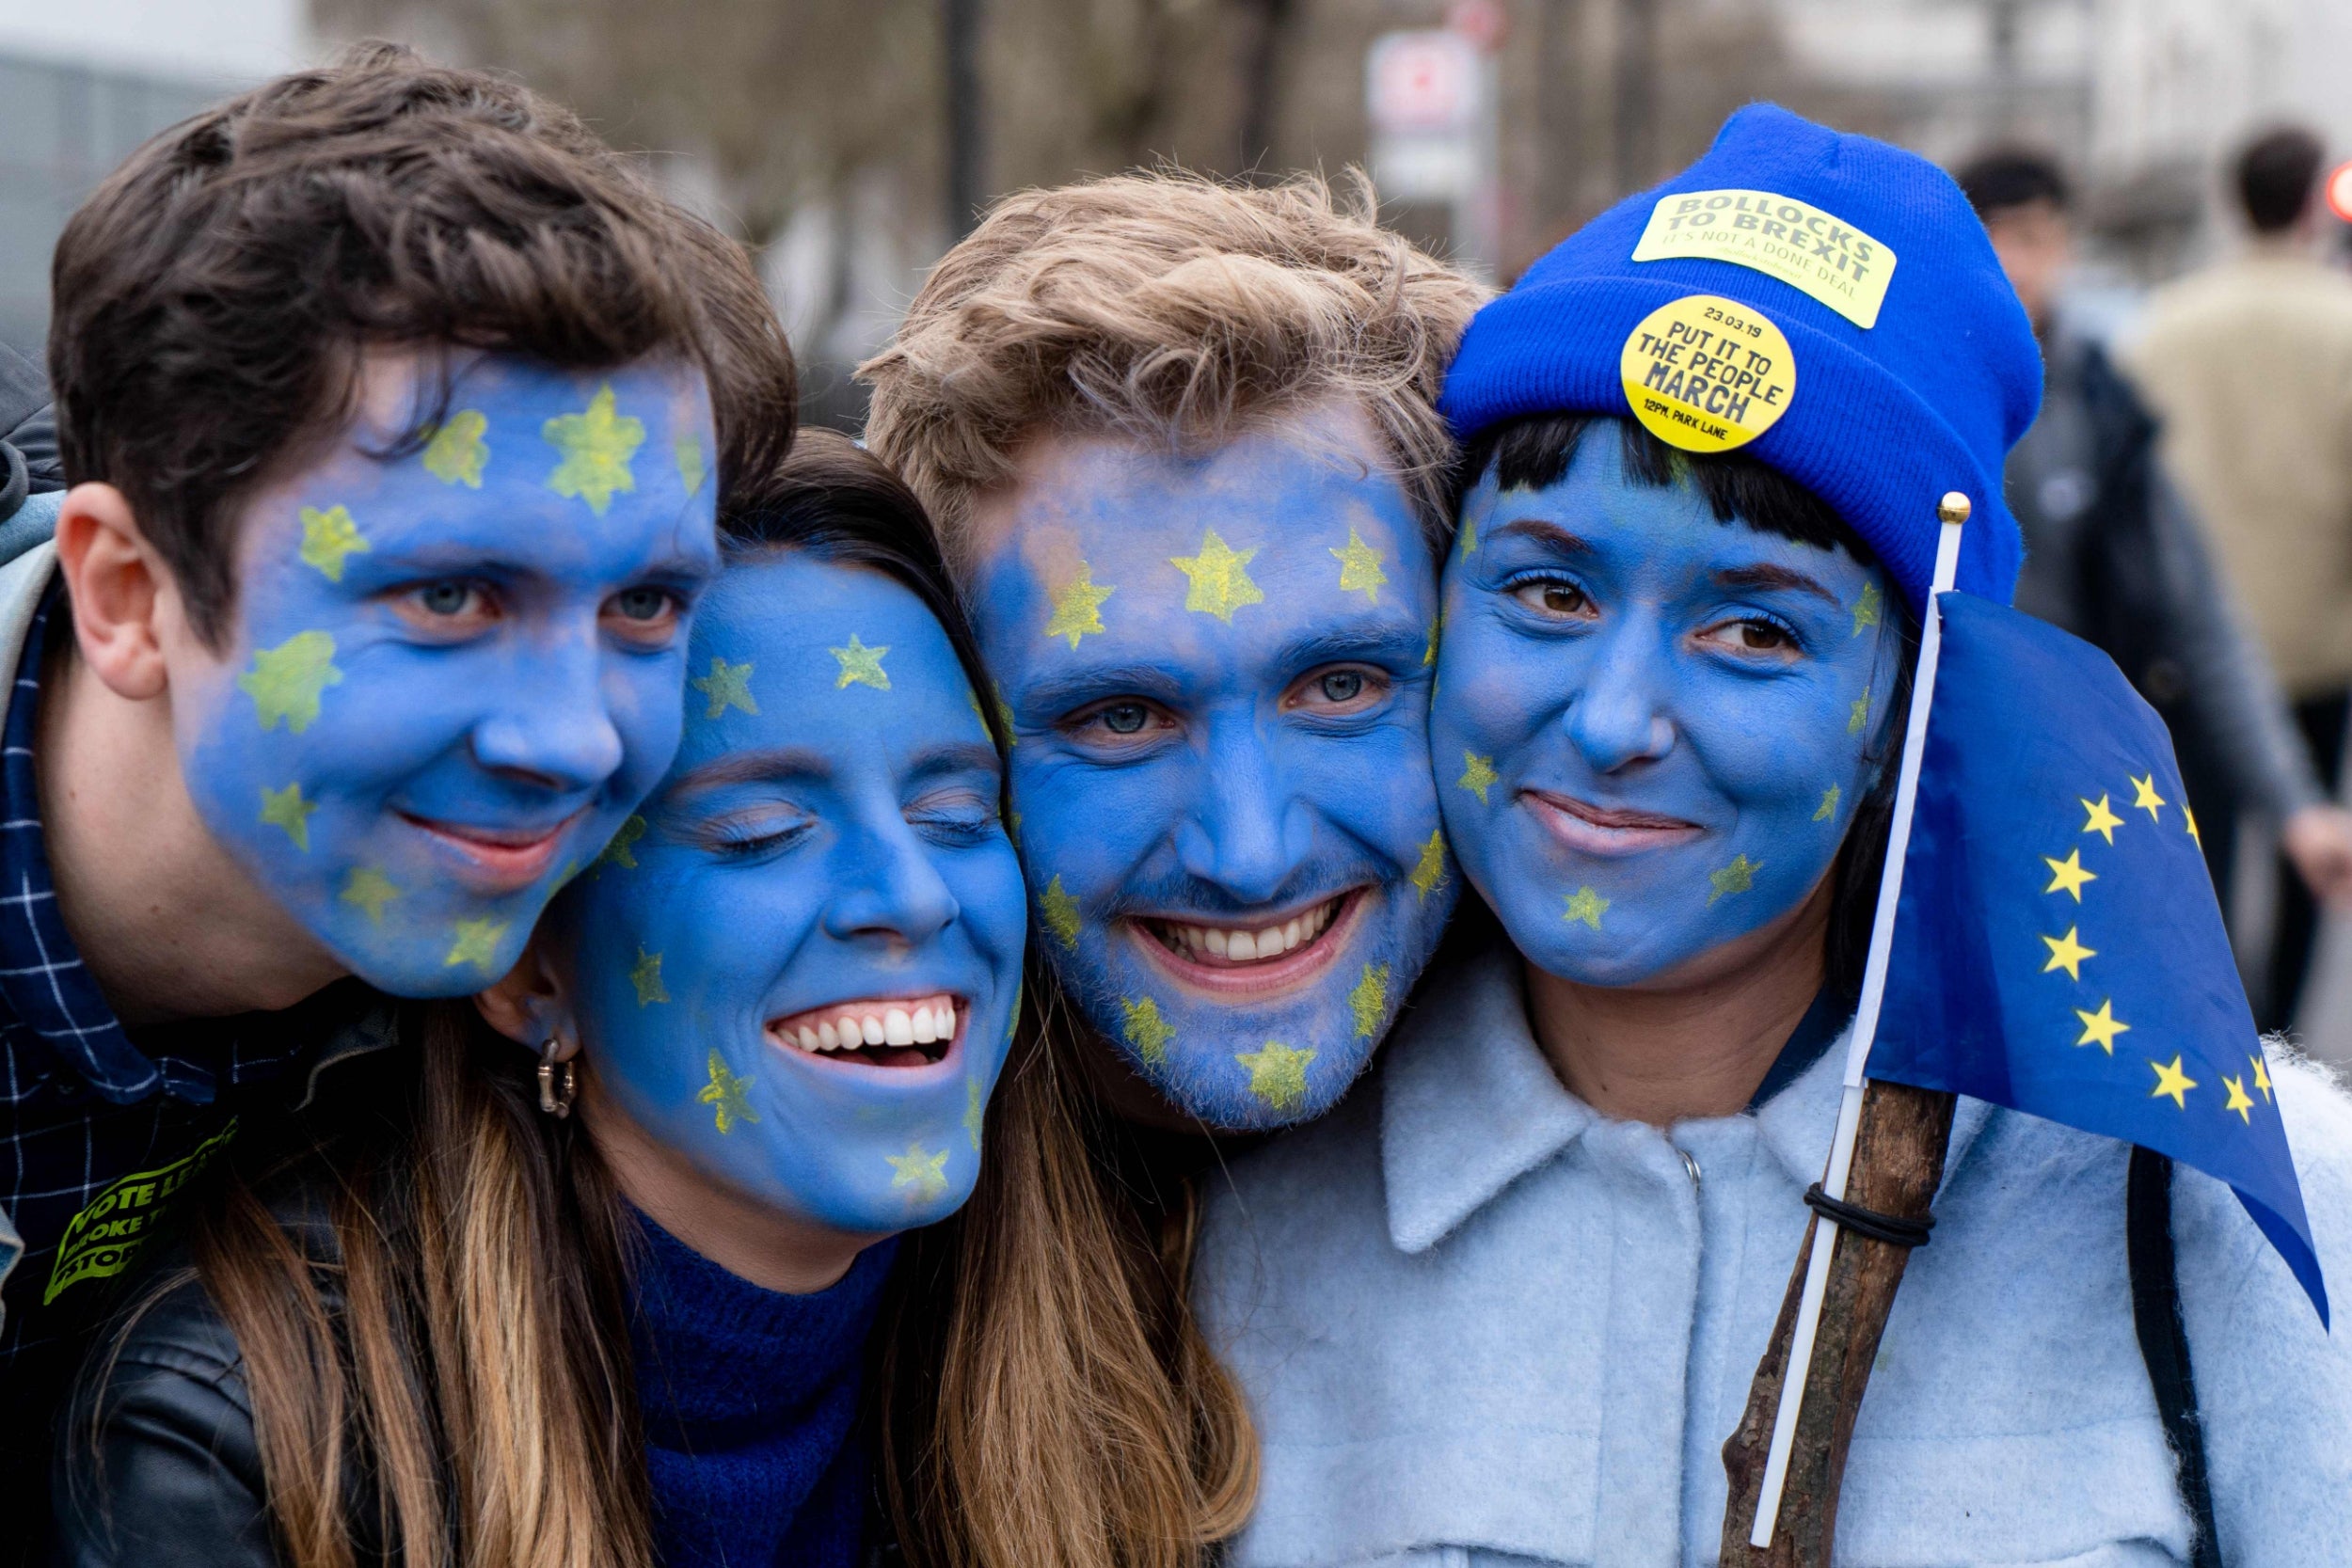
{"x": 1169, "y": 309}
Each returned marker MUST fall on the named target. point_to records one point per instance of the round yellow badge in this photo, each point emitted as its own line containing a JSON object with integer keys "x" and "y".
{"x": 1708, "y": 374}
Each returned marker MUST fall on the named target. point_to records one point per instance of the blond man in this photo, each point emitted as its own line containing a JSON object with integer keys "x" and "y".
{"x": 1182, "y": 441}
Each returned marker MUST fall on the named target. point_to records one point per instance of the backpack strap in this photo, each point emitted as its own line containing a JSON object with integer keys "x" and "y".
{"x": 2164, "y": 1341}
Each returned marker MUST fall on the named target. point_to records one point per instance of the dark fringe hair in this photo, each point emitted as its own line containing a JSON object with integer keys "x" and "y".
{"x": 1534, "y": 453}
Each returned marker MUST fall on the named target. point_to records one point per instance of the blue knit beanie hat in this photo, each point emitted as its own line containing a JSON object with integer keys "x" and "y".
{"x": 1829, "y": 298}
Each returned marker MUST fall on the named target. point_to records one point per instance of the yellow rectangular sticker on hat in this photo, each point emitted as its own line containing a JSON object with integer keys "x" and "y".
{"x": 1778, "y": 236}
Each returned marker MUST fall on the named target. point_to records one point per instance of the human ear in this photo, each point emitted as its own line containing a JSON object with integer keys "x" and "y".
{"x": 121, "y": 590}
{"x": 531, "y": 1005}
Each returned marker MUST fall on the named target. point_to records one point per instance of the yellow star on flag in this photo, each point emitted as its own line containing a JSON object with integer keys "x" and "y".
{"x": 1429, "y": 871}
{"x": 2069, "y": 874}
{"x": 618, "y": 852}
{"x": 597, "y": 447}
{"x": 724, "y": 1094}
{"x": 2171, "y": 1081}
{"x": 1078, "y": 605}
{"x": 924, "y": 1171}
{"x": 2100, "y": 1028}
{"x": 2098, "y": 819}
{"x": 1061, "y": 913}
{"x": 1858, "y": 714}
{"x": 2262, "y": 1077}
{"x": 328, "y": 537}
{"x": 646, "y": 974}
{"x": 1866, "y": 609}
{"x": 1827, "y": 810}
{"x": 1369, "y": 1000}
{"x": 286, "y": 808}
{"x": 1278, "y": 1073}
{"x": 1479, "y": 776}
{"x": 1360, "y": 568}
{"x": 1737, "y": 877}
{"x": 1146, "y": 1030}
{"x": 371, "y": 890}
{"x": 2144, "y": 796}
{"x": 861, "y": 665}
{"x": 2068, "y": 954}
{"x": 476, "y": 944}
{"x": 1587, "y": 905}
{"x": 975, "y": 1112}
{"x": 2240, "y": 1101}
{"x": 1220, "y": 577}
{"x": 727, "y": 685}
{"x": 285, "y": 681}
{"x": 456, "y": 453}
{"x": 2195, "y": 837}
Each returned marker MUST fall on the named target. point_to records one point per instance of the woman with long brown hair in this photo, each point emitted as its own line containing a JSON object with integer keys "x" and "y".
{"x": 597, "y": 1280}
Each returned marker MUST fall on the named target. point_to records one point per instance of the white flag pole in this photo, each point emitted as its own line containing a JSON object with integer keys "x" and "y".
{"x": 1952, "y": 512}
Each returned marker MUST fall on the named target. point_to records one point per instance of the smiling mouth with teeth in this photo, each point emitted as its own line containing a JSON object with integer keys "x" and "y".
{"x": 1253, "y": 955}
{"x": 878, "y": 1032}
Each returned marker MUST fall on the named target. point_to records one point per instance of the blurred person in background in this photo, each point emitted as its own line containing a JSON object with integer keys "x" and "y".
{"x": 2115, "y": 555}
{"x": 2249, "y": 367}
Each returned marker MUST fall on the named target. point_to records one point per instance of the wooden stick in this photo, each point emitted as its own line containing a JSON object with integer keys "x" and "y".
{"x": 1897, "y": 1164}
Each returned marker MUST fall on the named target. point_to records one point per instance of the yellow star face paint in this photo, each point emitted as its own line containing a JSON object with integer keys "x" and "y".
{"x": 598, "y": 446}
{"x": 805, "y": 978}
{"x": 1220, "y": 577}
{"x": 446, "y": 682}
{"x": 1211, "y": 659}
{"x": 1656, "y": 724}
{"x": 727, "y": 685}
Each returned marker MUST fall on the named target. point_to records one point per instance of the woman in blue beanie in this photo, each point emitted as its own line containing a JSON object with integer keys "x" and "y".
{"x": 1506, "y": 1309}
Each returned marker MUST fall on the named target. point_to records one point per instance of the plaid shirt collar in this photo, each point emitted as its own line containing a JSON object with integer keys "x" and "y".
{"x": 43, "y": 978}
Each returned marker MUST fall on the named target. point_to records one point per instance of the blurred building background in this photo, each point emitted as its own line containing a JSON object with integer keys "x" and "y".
{"x": 825, "y": 133}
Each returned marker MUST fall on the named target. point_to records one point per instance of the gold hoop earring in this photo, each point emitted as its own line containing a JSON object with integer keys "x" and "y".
{"x": 554, "y": 1102}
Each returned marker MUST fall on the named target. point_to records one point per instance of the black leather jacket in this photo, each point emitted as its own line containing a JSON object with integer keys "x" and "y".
{"x": 169, "y": 1476}
{"x": 156, "y": 1465}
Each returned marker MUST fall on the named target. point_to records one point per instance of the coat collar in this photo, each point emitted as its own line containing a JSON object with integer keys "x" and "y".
{"x": 1469, "y": 1104}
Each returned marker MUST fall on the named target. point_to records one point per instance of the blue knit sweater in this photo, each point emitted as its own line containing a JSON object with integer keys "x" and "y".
{"x": 750, "y": 1400}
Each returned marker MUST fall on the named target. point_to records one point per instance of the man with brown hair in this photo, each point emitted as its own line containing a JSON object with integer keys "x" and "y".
{"x": 393, "y": 404}
{"x": 1182, "y": 440}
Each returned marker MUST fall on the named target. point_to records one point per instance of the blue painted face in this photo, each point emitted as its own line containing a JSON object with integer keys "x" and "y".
{"x": 1651, "y": 728}
{"x": 798, "y": 968}
{"x": 1218, "y": 673}
{"x": 453, "y": 671}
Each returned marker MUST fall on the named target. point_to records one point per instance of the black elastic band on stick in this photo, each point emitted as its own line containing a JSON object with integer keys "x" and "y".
{"x": 2163, "y": 1340}
{"x": 1891, "y": 1228}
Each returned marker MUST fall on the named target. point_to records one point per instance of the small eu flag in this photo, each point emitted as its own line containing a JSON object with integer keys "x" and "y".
{"x": 2058, "y": 949}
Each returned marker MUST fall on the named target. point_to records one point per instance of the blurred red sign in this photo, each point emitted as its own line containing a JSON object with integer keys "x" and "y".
{"x": 1482, "y": 22}
{"x": 1423, "y": 81}
{"x": 2338, "y": 189}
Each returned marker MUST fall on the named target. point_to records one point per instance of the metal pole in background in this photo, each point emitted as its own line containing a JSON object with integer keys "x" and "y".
{"x": 1636, "y": 93}
{"x": 960, "y": 35}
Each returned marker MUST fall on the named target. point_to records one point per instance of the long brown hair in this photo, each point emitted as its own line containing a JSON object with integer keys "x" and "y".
{"x": 1049, "y": 1398}
{"x": 1045, "y": 1400}
{"x": 470, "y": 1404}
